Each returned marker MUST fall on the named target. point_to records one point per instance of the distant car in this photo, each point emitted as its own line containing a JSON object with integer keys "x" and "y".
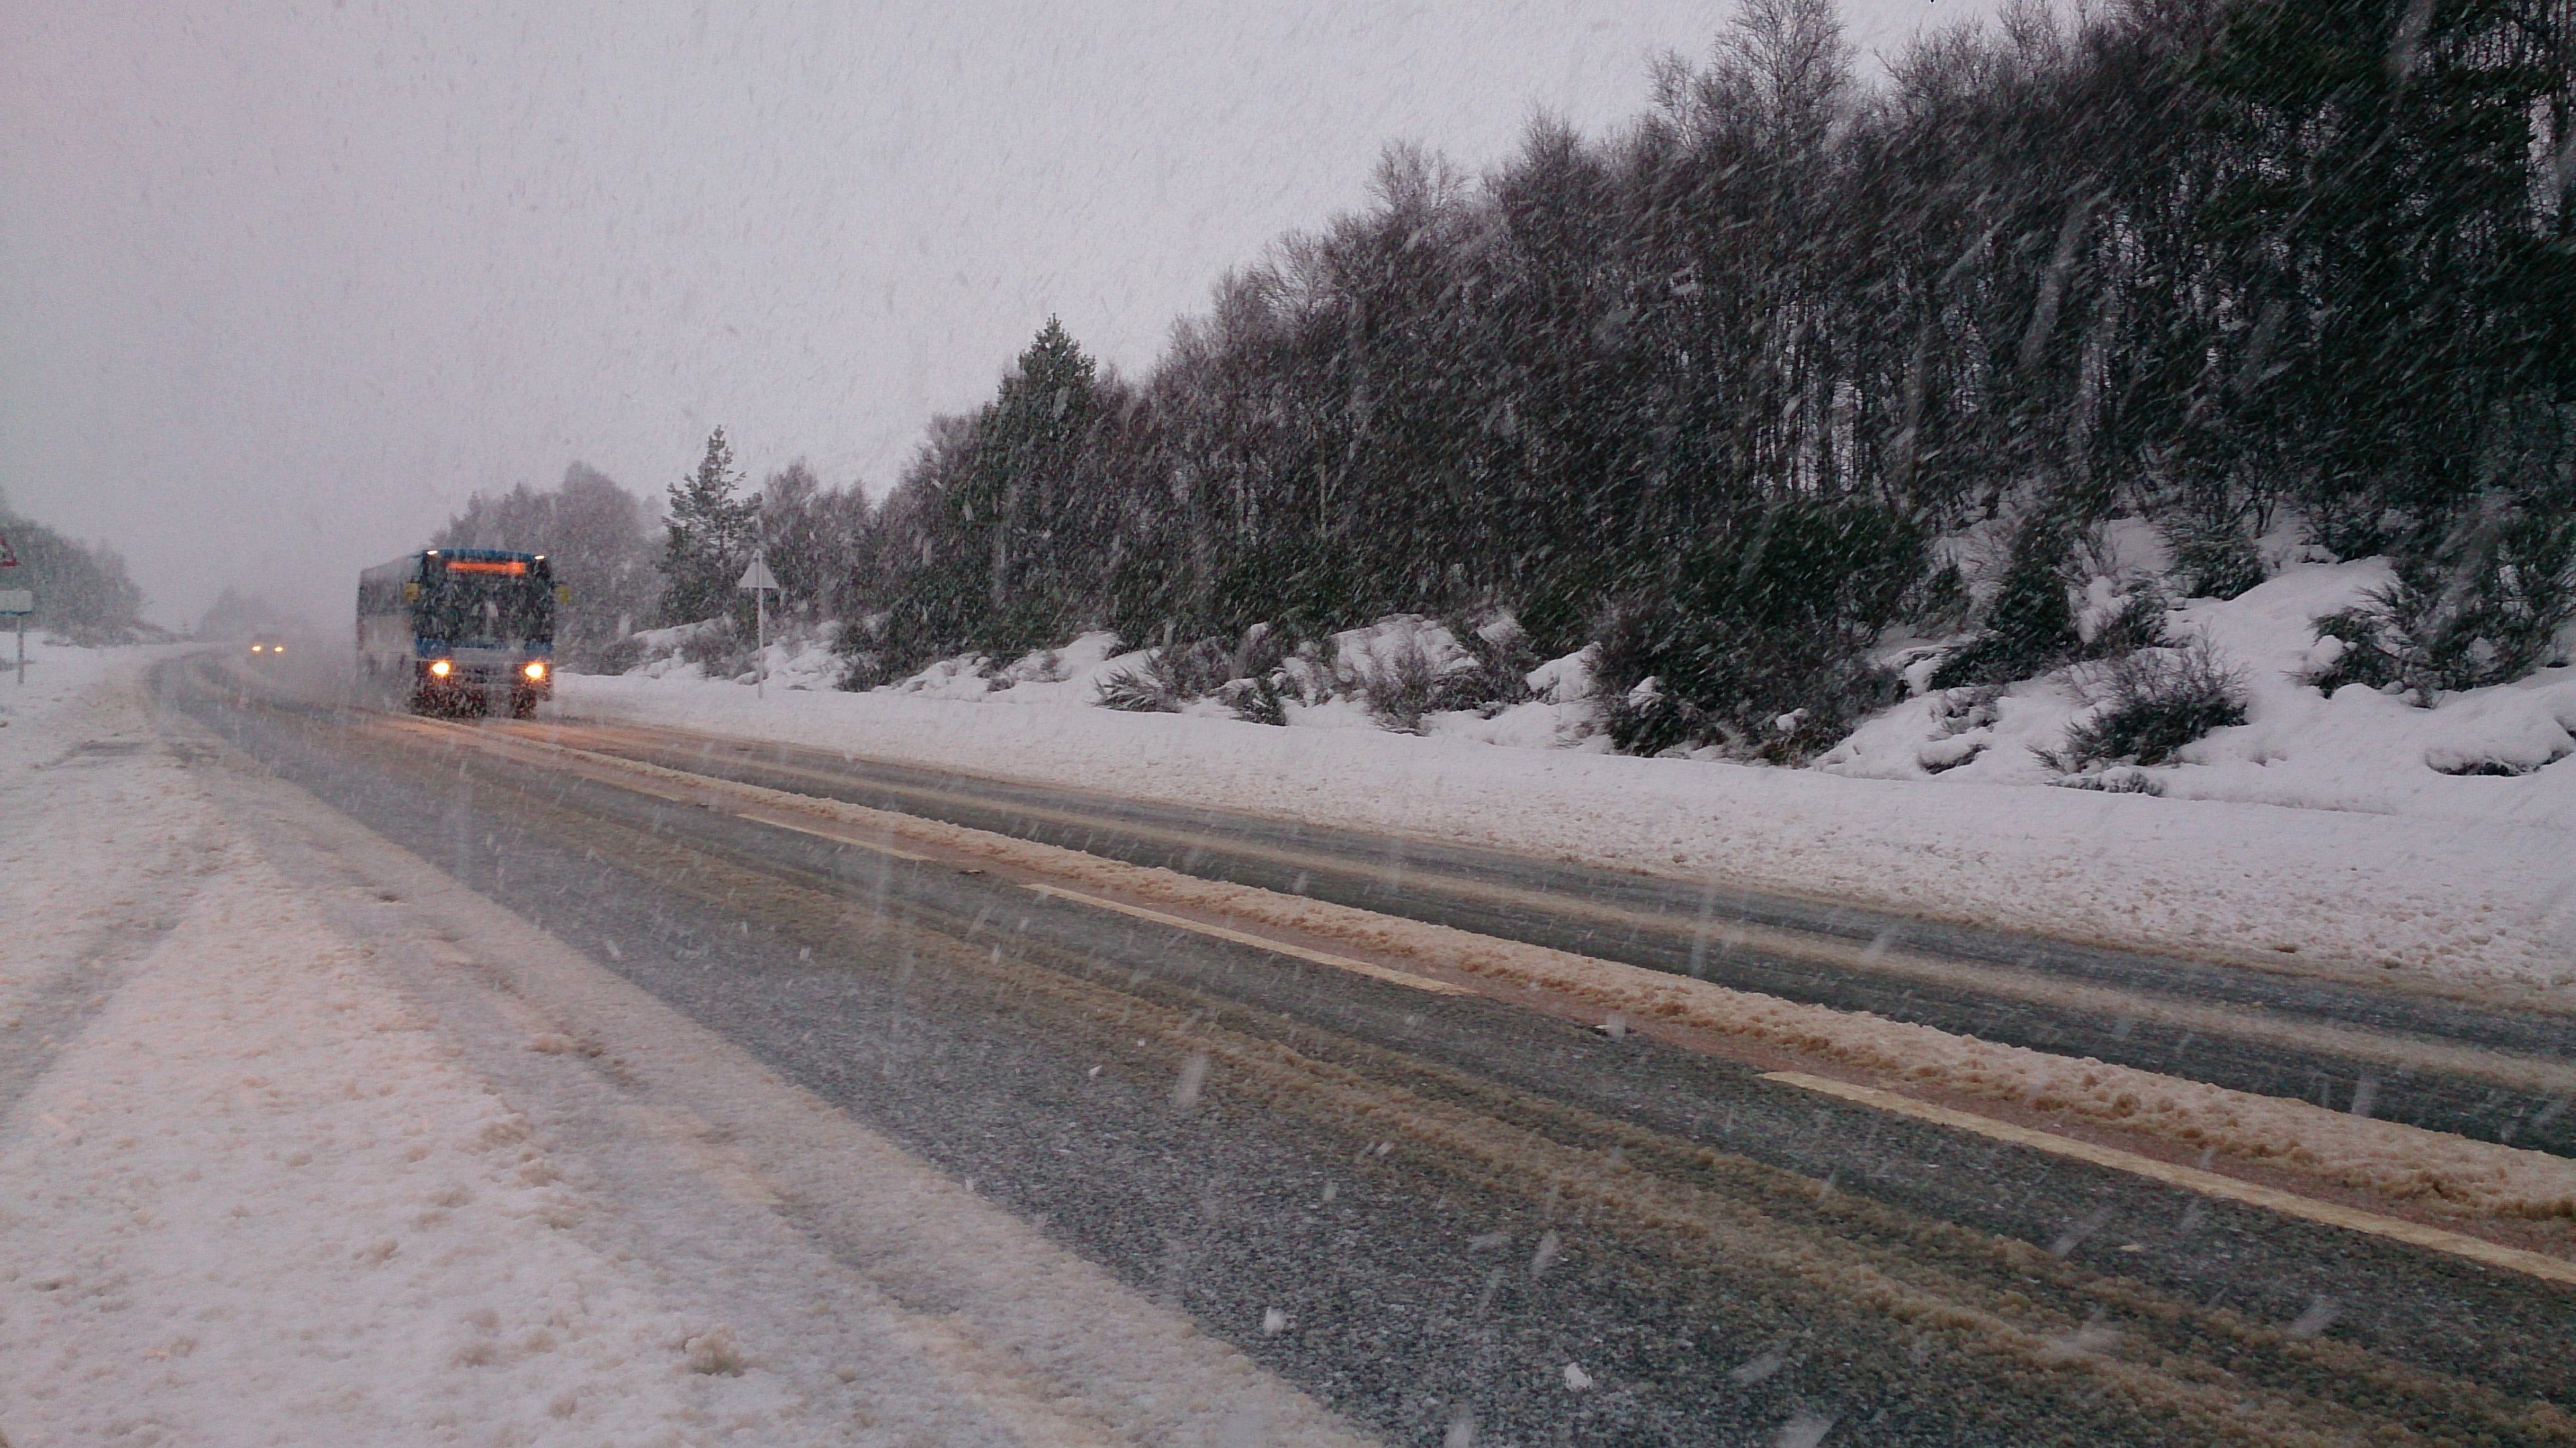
{"x": 267, "y": 646}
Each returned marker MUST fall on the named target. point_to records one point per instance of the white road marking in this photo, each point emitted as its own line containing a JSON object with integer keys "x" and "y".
{"x": 2210, "y": 1184}
{"x": 1260, "y": 942}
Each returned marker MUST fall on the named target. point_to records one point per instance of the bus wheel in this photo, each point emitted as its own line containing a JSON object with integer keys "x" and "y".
{"x": 523, "y": 704}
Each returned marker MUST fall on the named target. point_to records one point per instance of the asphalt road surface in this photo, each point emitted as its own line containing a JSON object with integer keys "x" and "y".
{"x": 1428, "y": 1210}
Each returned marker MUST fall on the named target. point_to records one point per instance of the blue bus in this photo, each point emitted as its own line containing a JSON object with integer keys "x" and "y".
{"x": 460, "y": 630}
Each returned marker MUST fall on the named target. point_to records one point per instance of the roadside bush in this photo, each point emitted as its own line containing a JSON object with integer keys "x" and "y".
{"x": 2030, "y": 628}
{"x": 1940, "y": 602}
{"x": 1503, "y": 658}
{"x": 2149, "y": 704}
{"x": 1757, "y": 641}
{"x": 1403, "y": 683}
{"x": 717, "y": 648}
{"x": 1255, "y": 700}
{"x": 614, "y": 657}
{"x": 2485, "y": 607}
{"x": 1147, "y": 688}
{"x": 2114, "y": 781}
{"x": 2139, "y": 624}
{"x": 2371, "y": 653}
{"x": 2212, "y": 557}
{"x": 1171, "y": 676}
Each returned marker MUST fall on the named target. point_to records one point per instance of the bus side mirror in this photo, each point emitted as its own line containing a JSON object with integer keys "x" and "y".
{"x": 563, "y": 593}
{"x": 411, "y": 593}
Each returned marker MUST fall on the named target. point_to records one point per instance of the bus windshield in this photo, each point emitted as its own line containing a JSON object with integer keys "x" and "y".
{"x": 473, "y": 610}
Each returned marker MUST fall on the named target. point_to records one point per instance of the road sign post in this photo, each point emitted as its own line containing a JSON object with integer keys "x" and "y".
{"x": 757, "y": 579}
{"x": 19, "y": 602}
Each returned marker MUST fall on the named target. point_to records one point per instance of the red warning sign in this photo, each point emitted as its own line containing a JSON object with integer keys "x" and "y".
{"x": 7, "y": 558}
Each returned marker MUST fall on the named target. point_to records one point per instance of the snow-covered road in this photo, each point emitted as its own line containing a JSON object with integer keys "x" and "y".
{"x": 296, "y": 1150}
{"x": 394, "y": 1081}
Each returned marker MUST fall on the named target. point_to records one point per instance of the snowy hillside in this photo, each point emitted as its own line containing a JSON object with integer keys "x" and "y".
{"x": 2322, "y": 832}
{"x": 2480, "y": 755}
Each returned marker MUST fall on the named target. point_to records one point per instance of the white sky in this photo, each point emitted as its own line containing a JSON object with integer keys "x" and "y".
{"x": 281, "y": 284}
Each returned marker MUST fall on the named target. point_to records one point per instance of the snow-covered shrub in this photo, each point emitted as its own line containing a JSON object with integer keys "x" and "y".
{"x": 1256, "y": 700}
{"x": 2489, "y": 606}
{"x": 616, "y": 656}
{"x": 2369, "y": 652}
{"x": 2149, "y": 704}
{"x": 1770, "y": 621}
{"x": 1941, "y": 601}
{"x": 1402, "y": 683}
{"x": 2120, "y": 616}
{"x": 2030, "y": 626}
{"x": 1503, "y": 660}
{"x": 2213, "y": 557}
{"x": 714, "y": 649}
{"x": 2113, "y": 781}
{"x": 1402, "y": 668}
{"x": 1147, "y": 688}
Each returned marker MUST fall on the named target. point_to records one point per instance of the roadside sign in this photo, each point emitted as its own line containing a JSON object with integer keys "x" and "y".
{"x": 17, "y": 602}
{"x": 756, "y": 579}
{"x": 7, "y": 558}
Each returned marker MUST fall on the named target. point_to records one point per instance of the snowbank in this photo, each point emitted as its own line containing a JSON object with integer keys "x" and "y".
{"x": 2482, "y": 756}
{"x": 2490, "y": 901}
{"x": 797, "y": 658}
{"x": 245, "y": 1194}
{"x": 256, "y": 1196}
{"x": 2346, "y": 831}
{"x": 2485, "y": 756}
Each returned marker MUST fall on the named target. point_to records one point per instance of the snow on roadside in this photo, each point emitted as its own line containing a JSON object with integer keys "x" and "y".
{"x": 256, "y": 1198}
{"x": 251, "y": 1199}
{"x": 2489, "y": 901}
{"x": 2360, "y": 751}
{"x": 80, "y": 783}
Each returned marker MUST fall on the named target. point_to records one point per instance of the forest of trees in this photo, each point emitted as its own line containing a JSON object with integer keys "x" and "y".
{"x": 1710, "y": 391}
{"x": 83, "y": 592}
{"x": 594, "y": 532}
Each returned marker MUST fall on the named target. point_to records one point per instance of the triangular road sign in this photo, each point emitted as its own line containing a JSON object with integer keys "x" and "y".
{"x": 757, "y": 575}
{"x": 7, "y": 558}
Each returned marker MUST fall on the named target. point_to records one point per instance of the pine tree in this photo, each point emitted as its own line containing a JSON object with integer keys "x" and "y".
{"x": 711, "y": 535}
{"x": 1030, "y": 436}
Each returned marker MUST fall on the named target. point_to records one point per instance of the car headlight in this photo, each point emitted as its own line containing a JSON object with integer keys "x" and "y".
{"x": 441, "y": 669}
{"x": 258, "y": 648}
{"x": 536, "y": 669}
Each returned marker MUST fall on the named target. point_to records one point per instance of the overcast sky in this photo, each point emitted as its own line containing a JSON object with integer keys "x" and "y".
{"x": 281, "y": 285}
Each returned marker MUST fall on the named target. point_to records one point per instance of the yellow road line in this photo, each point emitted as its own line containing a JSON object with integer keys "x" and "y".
{"x": 1280, "y": 947}
{"x": 2209, "y": 1184}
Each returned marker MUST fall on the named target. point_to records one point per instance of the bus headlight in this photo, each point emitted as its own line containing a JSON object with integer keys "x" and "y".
{"x": 441, "y": 669}
{"x": 536, "y": 669}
